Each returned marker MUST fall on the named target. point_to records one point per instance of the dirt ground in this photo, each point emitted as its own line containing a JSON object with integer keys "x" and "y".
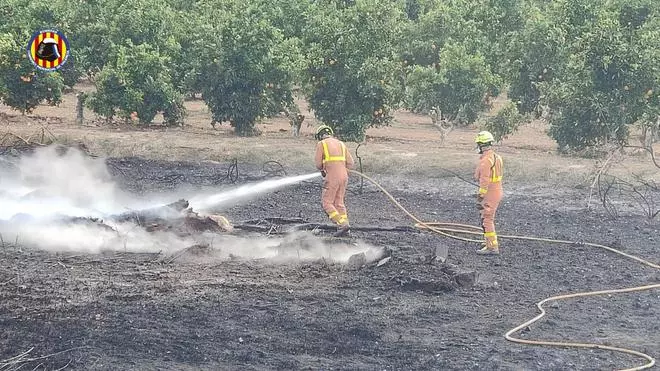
{"x": 132, "y": 311}
{"x": 410, "y": 146}
{"x": 121, "y": 311}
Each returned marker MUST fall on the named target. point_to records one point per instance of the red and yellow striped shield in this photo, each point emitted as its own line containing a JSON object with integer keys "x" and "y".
{"x": 48, "y": 50}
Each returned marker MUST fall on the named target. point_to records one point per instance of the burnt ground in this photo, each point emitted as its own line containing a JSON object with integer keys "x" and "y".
{"x": 133, "y": 311}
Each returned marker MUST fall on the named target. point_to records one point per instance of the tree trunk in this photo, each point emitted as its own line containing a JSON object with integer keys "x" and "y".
{"x": 79, "y": 108}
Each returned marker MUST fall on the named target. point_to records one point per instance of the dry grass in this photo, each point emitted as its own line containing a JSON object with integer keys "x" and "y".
{"x": 409, "y": 147}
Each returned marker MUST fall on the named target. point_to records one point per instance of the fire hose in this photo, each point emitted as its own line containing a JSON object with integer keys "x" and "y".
{"x": 450, "y": 229}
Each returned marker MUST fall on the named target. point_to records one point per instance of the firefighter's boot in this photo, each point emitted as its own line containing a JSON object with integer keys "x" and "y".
{"x": 343, "y": 230}
{"x": 488, "y": 251}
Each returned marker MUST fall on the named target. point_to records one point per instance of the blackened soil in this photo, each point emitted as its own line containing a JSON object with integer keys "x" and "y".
{"x": 133, "y": 311}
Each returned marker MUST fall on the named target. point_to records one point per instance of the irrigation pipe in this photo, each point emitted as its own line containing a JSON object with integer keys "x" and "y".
{"x": 446, "y": 229}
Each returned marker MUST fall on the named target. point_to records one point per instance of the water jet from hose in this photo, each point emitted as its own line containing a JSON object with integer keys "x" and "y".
{"x": 244, "y": 192}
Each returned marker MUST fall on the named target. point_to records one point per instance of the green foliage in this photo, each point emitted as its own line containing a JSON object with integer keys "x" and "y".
{"x": 7, "y": 47}
{"x": 25, "y": 95}
{"x": 25, "y": 17}
{"x": 634, "y": 14}
{"x": 249, "y": 69}
{"x": 413, "y": 8}
{"x": 592, "y": 65}
{"x": 456, "y": 51}
{"x": 500, "y": 21}
{"x": 442, "y": 24}
{"x": 22, "y": 86}
{"x": 99, "y": 27}
{"x": 70, "y": 72}
{"x": 505, "y": 122}
{"x": 606, "y": 83}
{"x": 187, "y": 57}
{"x": 458, "y": 85}
{"x": 286, "y": 15}
{"x": 353, "y": 77}
{"x": 135, "y": 79}
{"x": 417, "y": 8}
{"x": 535, "y": 53}
{"x": 484, "y": 27}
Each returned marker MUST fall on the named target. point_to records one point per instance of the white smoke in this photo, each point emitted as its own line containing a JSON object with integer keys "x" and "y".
{"x": 49, "y": 182}
{"x": 49, "y": 185}
{"x": 126, "y": 237}
{"x": 89, "y": 238}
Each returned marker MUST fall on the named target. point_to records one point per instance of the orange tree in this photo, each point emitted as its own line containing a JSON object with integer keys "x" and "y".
{"x": 449, "y": 65}
{"x": 353, "y": 75}
{"x": 97, "y": 27}
{"x": 131, "y": 53}
{"x": 22, "y": 86}
{"x": 247, "y": 67}
{"x": 458, "y": 85}
{"x": 603, "y": 77}
{"x": 135, "y": 78}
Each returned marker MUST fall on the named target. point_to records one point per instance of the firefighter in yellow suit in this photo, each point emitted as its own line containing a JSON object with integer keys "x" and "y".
{"x": 333, "y": 160}
{"x": 489, "y": 175}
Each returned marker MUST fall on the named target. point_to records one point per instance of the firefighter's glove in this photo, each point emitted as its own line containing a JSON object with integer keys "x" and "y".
{"x": 323, "y": 173}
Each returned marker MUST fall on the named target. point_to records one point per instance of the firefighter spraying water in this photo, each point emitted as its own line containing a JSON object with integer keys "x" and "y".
{"x": 333, "y": 160}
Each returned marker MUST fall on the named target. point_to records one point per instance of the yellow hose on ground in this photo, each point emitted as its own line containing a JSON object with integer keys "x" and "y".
{"x": 446, "y": 229}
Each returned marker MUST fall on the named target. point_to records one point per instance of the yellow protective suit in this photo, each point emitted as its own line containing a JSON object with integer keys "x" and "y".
{"x": 489, "y": 175}
{"x": 334, "y": 159}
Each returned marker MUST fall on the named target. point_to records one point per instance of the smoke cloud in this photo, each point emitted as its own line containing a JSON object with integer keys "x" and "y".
{"x": 47, "y": 187}
{"x": 52, "y": 182}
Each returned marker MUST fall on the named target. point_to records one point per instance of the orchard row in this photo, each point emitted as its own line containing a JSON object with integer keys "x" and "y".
{"x": 592, "y": 66}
